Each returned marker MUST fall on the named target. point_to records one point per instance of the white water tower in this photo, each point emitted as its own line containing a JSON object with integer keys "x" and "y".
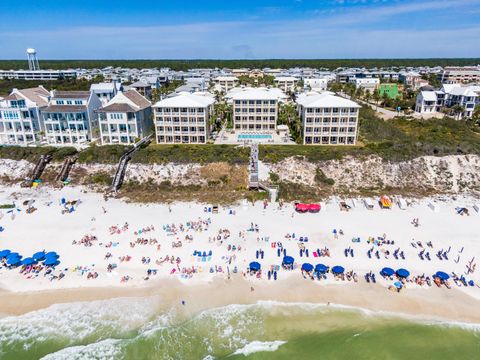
{"x": 32, "y": 59}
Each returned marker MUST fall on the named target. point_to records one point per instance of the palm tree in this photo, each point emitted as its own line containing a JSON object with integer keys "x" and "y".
{"x": 376, "y": 96}
{"x": 457, "y": 111}
{"x": 368, "y": 95}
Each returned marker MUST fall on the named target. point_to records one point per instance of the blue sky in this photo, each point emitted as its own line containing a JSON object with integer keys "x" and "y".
{"x": 184, "y": 29}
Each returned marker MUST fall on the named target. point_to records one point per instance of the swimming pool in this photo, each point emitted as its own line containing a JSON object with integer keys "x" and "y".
{"x": 254, "y": 137}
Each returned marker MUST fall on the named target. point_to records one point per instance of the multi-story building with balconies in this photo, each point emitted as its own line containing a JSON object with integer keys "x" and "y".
{"x": 125, "y": 119}
{"x": 328, "y": 119}
{"x": 183, "y": 118}
{"x": 255, "y": 109}
{"x": 70, "y": 117}
{"x": 20, "y": 122}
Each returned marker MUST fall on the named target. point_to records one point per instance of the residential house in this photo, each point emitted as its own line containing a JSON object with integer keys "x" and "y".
{"x": 20, "y": 116}
{"x": 125, "y": 118}
{"x": 69, "y": 118}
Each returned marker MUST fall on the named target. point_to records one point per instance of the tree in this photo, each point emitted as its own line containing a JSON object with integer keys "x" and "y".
{"x": 287, "y": 115}
{"x": 368, "y": 95}
{"x": 376, "y": 96}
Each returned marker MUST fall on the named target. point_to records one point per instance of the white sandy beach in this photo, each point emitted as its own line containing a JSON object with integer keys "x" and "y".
{"x": 50, "y": 230}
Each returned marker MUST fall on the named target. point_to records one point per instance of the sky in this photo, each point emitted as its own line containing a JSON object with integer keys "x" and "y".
{"x": 247, "y": 29}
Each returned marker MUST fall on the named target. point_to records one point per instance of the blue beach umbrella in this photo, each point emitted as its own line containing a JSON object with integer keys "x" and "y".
{"x": 255, "y": 266}
{"x": 403, "y": 273}
{"x": 14, "y": 260}
{"x": 288, "y": 260}
{"x": 320, "y": 268}
{"x": 29, "y": 261}
{"x": 14, "y": 254}
{"x": 51, "y": 262}
{"x": 307, "y": 267}
{"x": 338, "y": 269}
{"x": 39, "y": 256}
{"x": 442, "y": 275}
{"x": 4, "y": 253}
{"x": 386, "y": 271}
{"x": 51, "y": 254}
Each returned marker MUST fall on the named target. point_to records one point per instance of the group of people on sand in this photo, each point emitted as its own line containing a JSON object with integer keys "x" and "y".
{"x": 86, "y": 240}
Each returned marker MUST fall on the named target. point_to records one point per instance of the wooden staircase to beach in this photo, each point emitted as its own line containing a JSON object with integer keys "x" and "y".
{"x": 124, "y": 160}
{"x": 66, "y": 167}
{"x": 37, "y": 170}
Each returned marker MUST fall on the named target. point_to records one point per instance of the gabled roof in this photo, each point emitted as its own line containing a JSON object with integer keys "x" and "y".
{"x": 39, "y": 95}
{"x": 129, "y": 101}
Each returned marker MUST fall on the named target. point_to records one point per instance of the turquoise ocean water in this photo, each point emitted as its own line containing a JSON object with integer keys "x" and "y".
{"x": 133, "y": 329}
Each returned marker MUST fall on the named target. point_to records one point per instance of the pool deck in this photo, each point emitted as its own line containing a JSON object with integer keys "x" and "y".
{"x": 231, "y": 137}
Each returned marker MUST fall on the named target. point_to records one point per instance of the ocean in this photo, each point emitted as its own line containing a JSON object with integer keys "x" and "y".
{"x": 132, "y": 328}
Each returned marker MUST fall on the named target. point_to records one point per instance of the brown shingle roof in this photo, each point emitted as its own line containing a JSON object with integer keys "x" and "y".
{"x": 117, "y": 108}
{"x": 65, "y": 108}
{"x": 71, "y": 94}
{"x": 138, "y": 99}
{"x": 38, "y": 95}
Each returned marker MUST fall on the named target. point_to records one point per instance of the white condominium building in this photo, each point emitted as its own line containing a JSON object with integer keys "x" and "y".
{"x": 69, "y": 118}
{"x": 369, "y": 84}
{"x": 183, "y": 118}
{"x": 226, "y": 82}
{"x": 459, "y": 75}
{"x": 328, "y": 119}
{"x": 125, "y": 118}
{"x": 286, "y": 83}
{"x": 20, "y": 116}
{"x": 255, "y": 109}
{"x": 317, "y": 84}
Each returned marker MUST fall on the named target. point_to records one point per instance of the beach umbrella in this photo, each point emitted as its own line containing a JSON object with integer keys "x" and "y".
{"x": 29, "y": 261}
{"x": 307, "y": 267}
{"x": 14, "y": 254}
{"x": 398, "y": 284}
{"x": 386, "y": 271}
{"x": 4, "y": 253}
{"x": 39, "y": 256}
{"x": 51, "y": 254}
{"x": 338, "y": 269}
{"x": 14, "y": 260}
{"x": 255, "y": 266}
{"x": 403, "y": 273}
{"x": 314, "y": 207}
{"x": 320, "y": 268}
{"x": 288, "y": 260}
{"x": 51, "y": 262}
{"x": 442, "y": 275}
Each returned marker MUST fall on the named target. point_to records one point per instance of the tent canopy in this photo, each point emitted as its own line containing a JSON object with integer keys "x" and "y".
{"x": 307, "y": 267}
{"x": 386, "y": 271}
{"x": 314, "y": 207}
{"x": 302, "y": 207}
{"x": 288, "y": 260}
{"x": 321, "y": 268}
{"x": 403, "y": 273}
{"x": 338, "y": 269}
{"x": 255, "y": 266}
